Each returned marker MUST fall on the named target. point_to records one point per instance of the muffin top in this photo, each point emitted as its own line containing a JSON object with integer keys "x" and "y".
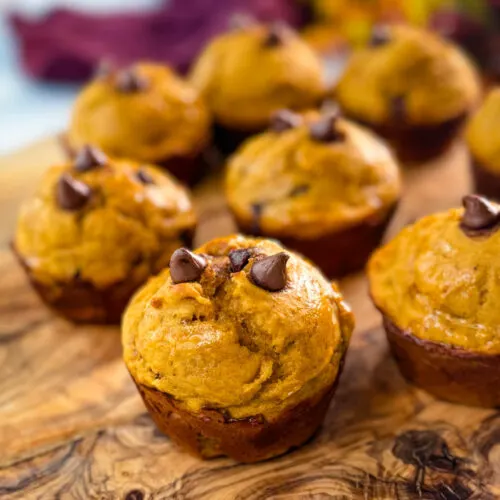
{"x": 310, "y": 174}
{"x": 242, "y": 325}
{"x": 98, "y": 219}
{"x": 481, "y": 133}
{"x": 248, "y": 73}
{"x": 145, "y": 112}
{"x": 438, "y": 278}
{"x": 408, "y": 75}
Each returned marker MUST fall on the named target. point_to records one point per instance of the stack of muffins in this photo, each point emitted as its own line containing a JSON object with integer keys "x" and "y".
{"x": 237, "y": 347}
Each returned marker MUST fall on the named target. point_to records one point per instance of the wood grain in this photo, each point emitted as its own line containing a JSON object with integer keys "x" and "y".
{"x": 73, "y": 427}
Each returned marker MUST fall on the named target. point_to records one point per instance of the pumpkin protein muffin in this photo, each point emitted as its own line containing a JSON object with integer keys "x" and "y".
{"x": 96, "y": 229}
{"x": 247, "y": 74}
{"x": 483, "y": 142}
{"x": 146, "y": 113}
{"x": 436, "y": 285}
{"x": 237, "y": 348}
{"x": 411, "y": 87}
{"x": 319, "y": 183}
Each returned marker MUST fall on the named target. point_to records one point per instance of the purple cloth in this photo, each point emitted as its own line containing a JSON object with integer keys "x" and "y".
{"x": 67, "y": 45}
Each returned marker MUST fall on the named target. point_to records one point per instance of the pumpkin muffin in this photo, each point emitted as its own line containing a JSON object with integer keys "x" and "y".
{"x": 97, "y": 229}
{"x": 483, "y": 141}
{"x": 412, "y": 87}
{"x": 236, "y": 349}
{"x": 436, "y": 285}
{"x": 247, "y": 74}
{"x": 321, "y": 184}
{"x": 146, "y": 113}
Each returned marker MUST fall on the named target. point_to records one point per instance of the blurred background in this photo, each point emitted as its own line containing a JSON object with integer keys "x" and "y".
{"x": 49, "y": 47}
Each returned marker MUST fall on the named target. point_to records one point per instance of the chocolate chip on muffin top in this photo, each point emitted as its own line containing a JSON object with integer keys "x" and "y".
{"x": 239, "y": 259}
{"x": 270, "y": 272}
{"x": 267, "y": 272}
{"x": 72, "y": 194}
{"x": 186, "y": 266}
{"x": 89, "y": 157}
{"x": 480, "y": 215}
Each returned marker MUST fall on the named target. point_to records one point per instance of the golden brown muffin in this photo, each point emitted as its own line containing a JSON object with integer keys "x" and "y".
{"x": 436, "y": 287}
{"x": 96, "y": 229}
{"x": 319, "y": 183}
{"x": 237, "y": 349}
{"x": 146, "y": 113}
{"x": 412, "y": 87}
{"x": 247, "y": 74}
{"x": 483, "y": 140}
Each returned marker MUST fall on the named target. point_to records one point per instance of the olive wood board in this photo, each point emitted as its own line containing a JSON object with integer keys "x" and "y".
{"x": 72, "y": 425}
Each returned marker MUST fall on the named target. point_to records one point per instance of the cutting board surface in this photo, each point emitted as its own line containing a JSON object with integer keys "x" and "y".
{"x": 73, "y": 426}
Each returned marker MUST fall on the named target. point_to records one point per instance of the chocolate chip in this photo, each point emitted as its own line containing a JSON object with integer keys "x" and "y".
{"x": 380, "y": 36}
{"x": 284, "y": 119}
{"x": 326, "y": 129}
{"x": 129, "y": 81}
{"x": 270, "y": 273}
{"x": 186, "y": 266}
{"x": 88, "y": 158}
{"x": 276, "y": 35}
{"x": 479, "y": 214}
{"x": 239, "y": 259}
{"x": 298, "y": 190}
{"x": 398, "y": 108}
{"x": 72, "y": 194}
{"x": 257, "y": 209}
{"x": 144, "y": 176}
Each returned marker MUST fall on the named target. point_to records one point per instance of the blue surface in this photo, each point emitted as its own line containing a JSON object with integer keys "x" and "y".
{"x": 28, "y": 110}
